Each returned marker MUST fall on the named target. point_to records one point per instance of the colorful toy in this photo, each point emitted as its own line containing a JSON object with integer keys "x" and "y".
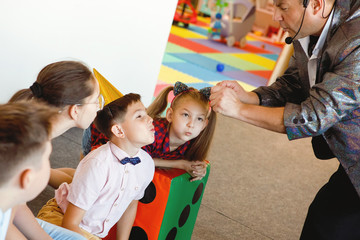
{"x": 215, "y": 27}
{"x": 185, "y": 13}
{"x": 220, "y": 67}
{"x": 169, "y": 208}
{"x": 237, "y": 21}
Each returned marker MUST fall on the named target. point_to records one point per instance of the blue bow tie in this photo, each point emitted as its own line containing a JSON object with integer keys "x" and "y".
{"x": 133, "y": 161}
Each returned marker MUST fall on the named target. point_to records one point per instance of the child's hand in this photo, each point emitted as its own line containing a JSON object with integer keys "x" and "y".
{"x": 198, "y": 170}
{"x": 187, "y": 166}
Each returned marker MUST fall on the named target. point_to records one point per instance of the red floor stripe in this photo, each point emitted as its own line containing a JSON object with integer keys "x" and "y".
{"x": 201, "y": 24}
{"x": 196, "y": 47}
{"x": 264, "y": 74}
{"x": 160, "y": 86}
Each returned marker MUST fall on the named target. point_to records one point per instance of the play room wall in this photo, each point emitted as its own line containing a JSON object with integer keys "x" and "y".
{"x": 124, "y": 40}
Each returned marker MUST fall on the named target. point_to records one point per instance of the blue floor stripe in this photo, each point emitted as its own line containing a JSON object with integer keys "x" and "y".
{"x": 199, "y": 85}
{"x": 247, "y": 77}
{"x": 170, "y": 58}
{"x": 270, "y": 56}
{"x": 197, "y": 71}
{"x": 199, "y": 30}
{"x": 203, "y": 61}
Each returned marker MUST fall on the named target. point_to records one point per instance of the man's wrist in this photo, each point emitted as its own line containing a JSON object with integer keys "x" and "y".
{"x": 252, "y": 98}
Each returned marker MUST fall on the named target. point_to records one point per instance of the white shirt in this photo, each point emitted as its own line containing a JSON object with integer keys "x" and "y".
{"x": 104, "y": 188}
{"x": 312, "y": 63}
{"x": 4, "y": 223}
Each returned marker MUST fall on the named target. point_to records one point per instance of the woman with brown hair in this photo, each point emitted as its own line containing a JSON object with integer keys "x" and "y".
{"x": 71, "y": 87}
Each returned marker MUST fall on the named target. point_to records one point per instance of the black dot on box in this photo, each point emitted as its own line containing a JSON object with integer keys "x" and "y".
{"x": 198, "y": 193}
{"x": 172, "y": 234}
{"x": 137, "y": 233}
{"x": 150, "y": 194}
{"x": 184, "y": 216}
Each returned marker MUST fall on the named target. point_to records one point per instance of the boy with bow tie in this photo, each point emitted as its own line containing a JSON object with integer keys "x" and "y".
{"x": 111, "y": 179}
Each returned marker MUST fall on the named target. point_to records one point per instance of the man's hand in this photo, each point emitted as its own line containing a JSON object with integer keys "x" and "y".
{"x": 233, "y": 85}
{"x": 230, "y": 99}
{"x": 244, "y": 96}
{"x": 225, "y": 100}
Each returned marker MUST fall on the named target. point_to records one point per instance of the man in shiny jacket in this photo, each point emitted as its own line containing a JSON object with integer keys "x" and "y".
{"x": 318, "y": 96}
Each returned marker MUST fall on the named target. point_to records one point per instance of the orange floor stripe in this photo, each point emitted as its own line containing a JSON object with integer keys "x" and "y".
{"x": 264, "y": 74}
{"x": 253, "y": 49}
{"x": 196, "y": 47}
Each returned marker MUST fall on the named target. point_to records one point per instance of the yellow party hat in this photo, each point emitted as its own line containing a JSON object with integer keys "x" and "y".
{"x": 107, "y": 90}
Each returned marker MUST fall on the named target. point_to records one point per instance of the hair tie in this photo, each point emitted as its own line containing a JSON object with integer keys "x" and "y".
{"x": 180, "y": 87}
{"x": 36, "y": 89}
{"x": 206, "y": 92}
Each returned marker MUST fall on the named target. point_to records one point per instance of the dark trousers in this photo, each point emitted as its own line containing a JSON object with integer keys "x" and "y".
{"x": 335, "y": 211}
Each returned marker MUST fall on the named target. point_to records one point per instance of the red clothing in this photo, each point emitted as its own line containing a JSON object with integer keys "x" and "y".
{"x": 160, "y": 148}
{"x": 97, "y": 138}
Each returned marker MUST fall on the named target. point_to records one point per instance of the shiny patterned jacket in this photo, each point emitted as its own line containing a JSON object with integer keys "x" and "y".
{"x": 331, "y": 107}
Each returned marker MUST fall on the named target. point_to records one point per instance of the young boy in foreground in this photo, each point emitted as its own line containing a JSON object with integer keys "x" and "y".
{"x": 25, "y": 147}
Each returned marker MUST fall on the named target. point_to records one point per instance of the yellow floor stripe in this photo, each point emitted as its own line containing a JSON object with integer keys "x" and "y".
{"x": 259, "y": 60}
{"x": 246, "y": 86}
{"x": 185, "y": 33}
{"x": 249, "y": 38}
{"x": 171, "y": 76}
{"x": 204, "y": 19}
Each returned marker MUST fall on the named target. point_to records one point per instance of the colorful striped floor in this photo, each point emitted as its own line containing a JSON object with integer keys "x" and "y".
{"x": 190, "y": 57}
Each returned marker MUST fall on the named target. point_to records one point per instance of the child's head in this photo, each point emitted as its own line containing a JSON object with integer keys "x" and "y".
{"x": 68, "y": 85}
{"x": 25, "y": 148}
{"x": 190, "y": 118}
{"x": 126, "y": 118}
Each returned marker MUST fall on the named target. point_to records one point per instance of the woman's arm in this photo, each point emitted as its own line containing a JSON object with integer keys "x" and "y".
{"x": 25, "y": 225}
{"x": 73, "y": 217}
{"x": 60, "y": 175}
{"x": 14, "y": 233}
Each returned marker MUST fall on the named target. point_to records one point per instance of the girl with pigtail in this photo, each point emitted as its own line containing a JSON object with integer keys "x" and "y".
{"x": 186, "y": 131}
{"x": 183, "y": 136}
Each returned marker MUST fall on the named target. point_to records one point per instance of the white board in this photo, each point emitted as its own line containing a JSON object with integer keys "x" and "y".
{"x": 124, "y": 40}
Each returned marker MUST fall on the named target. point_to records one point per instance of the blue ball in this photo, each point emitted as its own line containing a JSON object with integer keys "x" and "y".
{"x": 220, "y": 67}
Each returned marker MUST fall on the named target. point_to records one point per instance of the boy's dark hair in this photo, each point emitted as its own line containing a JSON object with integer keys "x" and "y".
{"x": 114, "y": 112}
{"x": 60, "y": 84}
{"x": 24, "y": 129}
